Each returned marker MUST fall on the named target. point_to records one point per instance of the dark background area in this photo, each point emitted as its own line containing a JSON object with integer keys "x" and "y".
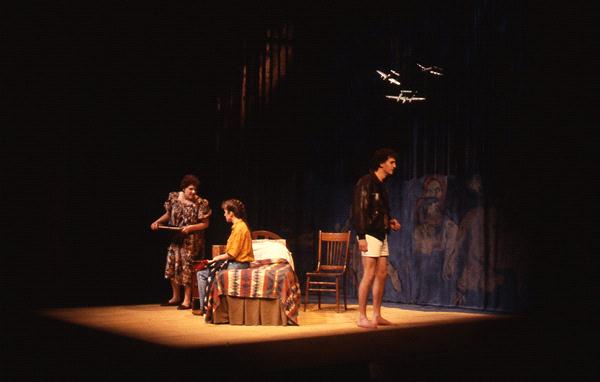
{"x": 117, "y": 103}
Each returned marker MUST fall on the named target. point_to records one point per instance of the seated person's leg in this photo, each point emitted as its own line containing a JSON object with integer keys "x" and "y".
{"x": 202, "y": 277}
{"x": 236, "y": 265}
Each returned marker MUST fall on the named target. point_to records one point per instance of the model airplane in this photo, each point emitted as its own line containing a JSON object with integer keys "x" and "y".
{"x": 435, "y": 70}
{"x": 388, "y": 77}
{"x": 405, "y": 96}
{"x": 384, "y": 76}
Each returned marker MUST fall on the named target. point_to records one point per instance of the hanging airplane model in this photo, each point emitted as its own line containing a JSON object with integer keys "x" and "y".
{"x": 405, "y": 96}
{"x": 388, "y": 77}
{"x": 435, "y": 70}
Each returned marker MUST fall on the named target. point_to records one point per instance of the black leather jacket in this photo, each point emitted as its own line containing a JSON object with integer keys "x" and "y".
{"x": 370, "y": 208}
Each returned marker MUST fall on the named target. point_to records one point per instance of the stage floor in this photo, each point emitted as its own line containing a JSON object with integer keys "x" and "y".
{"x": 181, "y": 329}
{"x": 148, "y": 342}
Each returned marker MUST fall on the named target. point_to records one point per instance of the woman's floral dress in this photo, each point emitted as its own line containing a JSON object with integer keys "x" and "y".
{"x": 184, "y": 248}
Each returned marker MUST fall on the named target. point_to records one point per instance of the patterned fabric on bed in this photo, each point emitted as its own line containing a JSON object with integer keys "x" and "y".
{"x": 213, "y": 269}
{"x": 269, "y": 278}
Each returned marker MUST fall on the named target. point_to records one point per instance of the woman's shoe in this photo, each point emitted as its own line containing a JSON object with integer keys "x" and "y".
{"x": 184, "y": 307}
{"x": 167, "y": 303}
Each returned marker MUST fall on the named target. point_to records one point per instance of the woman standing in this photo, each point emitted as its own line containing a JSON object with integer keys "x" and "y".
{"x": 189, "y": 211}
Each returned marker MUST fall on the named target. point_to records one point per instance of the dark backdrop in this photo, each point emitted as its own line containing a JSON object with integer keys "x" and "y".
{"x": 120, "y": 102}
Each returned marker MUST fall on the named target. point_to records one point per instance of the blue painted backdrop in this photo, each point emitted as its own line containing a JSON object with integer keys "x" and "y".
{"x": 449, "y": 252}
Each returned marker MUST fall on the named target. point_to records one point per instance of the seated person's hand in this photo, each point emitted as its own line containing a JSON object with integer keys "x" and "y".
{"x": 201, "y": 265}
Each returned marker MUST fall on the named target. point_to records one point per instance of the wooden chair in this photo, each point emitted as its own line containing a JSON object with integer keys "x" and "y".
{"x": 332, "y": 266}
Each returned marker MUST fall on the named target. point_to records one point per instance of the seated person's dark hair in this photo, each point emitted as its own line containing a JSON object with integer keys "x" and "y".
{"x": 237, "y": 207}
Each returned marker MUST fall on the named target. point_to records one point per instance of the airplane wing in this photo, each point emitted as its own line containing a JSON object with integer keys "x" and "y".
{"x": 383, "y": 75}
{"x": 396, "y": 73}
{"x": 394, "y": 81}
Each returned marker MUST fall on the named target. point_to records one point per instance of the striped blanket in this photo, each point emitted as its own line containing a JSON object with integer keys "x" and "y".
{"x": 268, "y": 278}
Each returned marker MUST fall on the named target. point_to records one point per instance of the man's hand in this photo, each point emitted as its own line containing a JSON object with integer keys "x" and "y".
{"x": 363, "y": 246}
{"x": 395, "y": 225}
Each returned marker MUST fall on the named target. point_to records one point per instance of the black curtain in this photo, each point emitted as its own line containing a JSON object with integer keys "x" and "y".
{"x": 282, "y": 108}
{"x": 306, "y": 134}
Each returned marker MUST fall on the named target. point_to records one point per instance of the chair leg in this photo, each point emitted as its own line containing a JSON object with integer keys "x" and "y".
{"x": 337, "y": 294}
{"x": 344, "y": 290}
{"x": 306, "y": 292}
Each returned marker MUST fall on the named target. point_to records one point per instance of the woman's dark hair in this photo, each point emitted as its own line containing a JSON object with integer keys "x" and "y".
{"x": 380, "y": 156}
{"x": 237, "y": 207}
{"x": 189, "y": 180}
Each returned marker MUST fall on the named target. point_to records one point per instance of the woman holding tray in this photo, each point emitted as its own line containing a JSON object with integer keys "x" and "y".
{"x": 189, "y": 212}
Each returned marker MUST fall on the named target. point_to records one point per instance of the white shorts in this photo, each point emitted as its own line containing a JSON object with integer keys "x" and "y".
{"x": 376, "y": 247}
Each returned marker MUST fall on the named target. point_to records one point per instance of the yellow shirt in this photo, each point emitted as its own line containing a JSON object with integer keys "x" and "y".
{"x": 239, "y": 244}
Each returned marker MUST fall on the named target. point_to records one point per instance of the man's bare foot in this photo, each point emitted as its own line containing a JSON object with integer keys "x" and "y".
{"x": 382, "y": 321}
{"x": 365, "y": 323}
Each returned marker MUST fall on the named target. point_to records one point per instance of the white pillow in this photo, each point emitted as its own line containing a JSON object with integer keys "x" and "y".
{"x": 271, "y": 249}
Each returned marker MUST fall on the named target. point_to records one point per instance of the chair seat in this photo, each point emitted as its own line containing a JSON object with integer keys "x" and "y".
{"x": 325, "y": 274}
{"x": 322, "y": 289}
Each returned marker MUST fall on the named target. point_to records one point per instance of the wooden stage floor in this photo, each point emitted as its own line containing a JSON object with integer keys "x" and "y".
{"x": 171, "y": 327}
{"x": 149, "y": 342}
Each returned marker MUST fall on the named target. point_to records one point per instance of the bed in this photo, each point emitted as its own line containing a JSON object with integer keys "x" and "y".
{"x": 267, "y": 293}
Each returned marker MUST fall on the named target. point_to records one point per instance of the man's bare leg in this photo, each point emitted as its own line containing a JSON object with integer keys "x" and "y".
{"x": 378, "y": 289}
{"x": 363, "y": 292}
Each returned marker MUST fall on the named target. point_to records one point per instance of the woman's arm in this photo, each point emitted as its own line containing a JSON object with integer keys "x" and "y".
{"x": 163, "y": 219}
{"x": 196, "y": 227}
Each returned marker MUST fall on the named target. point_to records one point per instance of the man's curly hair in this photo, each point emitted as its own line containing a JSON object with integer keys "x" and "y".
{"x": 382, "y": 155}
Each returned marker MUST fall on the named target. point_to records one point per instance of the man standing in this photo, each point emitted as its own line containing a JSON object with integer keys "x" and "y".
{"x": 372, "y": 222}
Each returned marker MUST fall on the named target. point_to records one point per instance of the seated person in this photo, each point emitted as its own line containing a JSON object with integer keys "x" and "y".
{"x": 238, "y": 252}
